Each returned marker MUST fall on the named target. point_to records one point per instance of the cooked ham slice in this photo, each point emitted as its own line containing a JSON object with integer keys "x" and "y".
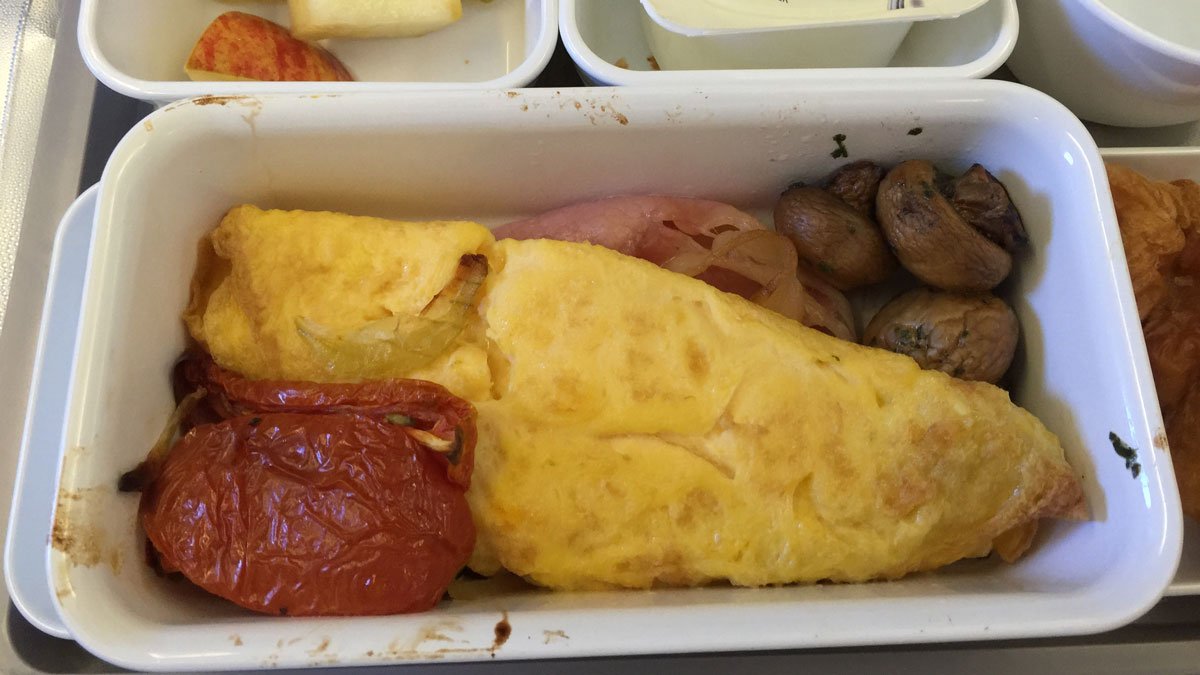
{"x": 652, "y": 227}
{"x": 678, "y": 233}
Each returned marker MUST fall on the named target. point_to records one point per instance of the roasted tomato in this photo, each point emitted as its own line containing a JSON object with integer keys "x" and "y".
{"x": 415, "y": 403}
{"x": 313, "y": 500}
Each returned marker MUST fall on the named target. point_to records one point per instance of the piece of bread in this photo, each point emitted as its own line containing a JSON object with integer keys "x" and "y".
{"x": 319, "y": 19}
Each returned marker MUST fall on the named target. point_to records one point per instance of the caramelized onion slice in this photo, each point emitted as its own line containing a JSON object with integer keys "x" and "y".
{"x": 148, "y": 469}
{"x": 825, "y": 307}
{"x": 400, "y": 344}
{"x": 762, "y": 256}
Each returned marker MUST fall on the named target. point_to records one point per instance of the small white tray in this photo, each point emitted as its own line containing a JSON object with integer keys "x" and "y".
{"x": 600, "y": 33}
{"x": 1170, "y": 164}
{"x": 138, "y": 48}
{"x": 32, "y": 510}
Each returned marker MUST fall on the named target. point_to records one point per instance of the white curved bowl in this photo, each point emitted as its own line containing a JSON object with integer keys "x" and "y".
{"x": 138, "y": 48}
{"x": 1126, "y": 68}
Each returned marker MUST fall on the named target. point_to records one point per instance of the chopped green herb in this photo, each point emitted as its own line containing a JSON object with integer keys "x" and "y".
{"x": 841, "y": 151}
{"x": 927, "y": 190}
{"x": 1121, "y": 447}
{"x": 912, "y": 338}
{"x": 255, "y": 421}
{"x": 915, "y": 131}
{"x": 1127, "y": 453}
{"x": 400, "y": 420}
{"x": 824, "y": 267}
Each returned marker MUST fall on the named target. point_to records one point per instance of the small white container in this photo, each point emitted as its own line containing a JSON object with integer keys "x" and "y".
{"x": 494, "y": 156}
{"x": 1170, "y": 164}
{"x": 751, "y": 34}
{"x": 1132, "y": 63}
{"x": 606, "y": 40}
{"x": 138, "y": 48}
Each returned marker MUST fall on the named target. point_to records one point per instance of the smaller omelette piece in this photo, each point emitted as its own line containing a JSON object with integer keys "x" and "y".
{"x": 262, "y": 274}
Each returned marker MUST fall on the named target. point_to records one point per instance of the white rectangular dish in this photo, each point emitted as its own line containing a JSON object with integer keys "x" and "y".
{"x": 138, "y": 48}
{"x": 606, "y": 40}
{"x": 500, "y": 155}
{"x": 1170, "y": 164}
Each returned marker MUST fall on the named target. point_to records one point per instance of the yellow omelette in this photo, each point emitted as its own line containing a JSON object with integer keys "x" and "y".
{"x": 639, "y": 427}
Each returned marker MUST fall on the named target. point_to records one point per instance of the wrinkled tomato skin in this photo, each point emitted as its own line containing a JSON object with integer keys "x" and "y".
{"x": 430, "y": 406}
{"x": 310, "y": 515}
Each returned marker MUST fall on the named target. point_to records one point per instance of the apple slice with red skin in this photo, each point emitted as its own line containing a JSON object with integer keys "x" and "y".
{"x": 241, "y": 46}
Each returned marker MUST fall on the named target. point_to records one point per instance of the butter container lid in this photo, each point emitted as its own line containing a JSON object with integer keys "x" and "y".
{"x": 712, "y": 17}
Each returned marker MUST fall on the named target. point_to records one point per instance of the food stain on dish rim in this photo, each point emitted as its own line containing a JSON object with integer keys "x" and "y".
{"x": 252, "y": 102}
{"x": 436, "y": 631}
{"x": 81, "y": 544}
{"x": 320, "y": 649}
{"x": 595, "y": 111}
{"x": 403, "y": 649}
{"x": 503, "y": 631}
{"x": 223, "y": 99}
{"x": 1160, "y": 440}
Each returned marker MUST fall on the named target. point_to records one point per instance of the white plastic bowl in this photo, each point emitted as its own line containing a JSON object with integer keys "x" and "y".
{"x": 1122, "y": 62}
{"x": 493, "y": 156}
{"x": 138, "y": 48}
{"x": 602, "y": 33}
